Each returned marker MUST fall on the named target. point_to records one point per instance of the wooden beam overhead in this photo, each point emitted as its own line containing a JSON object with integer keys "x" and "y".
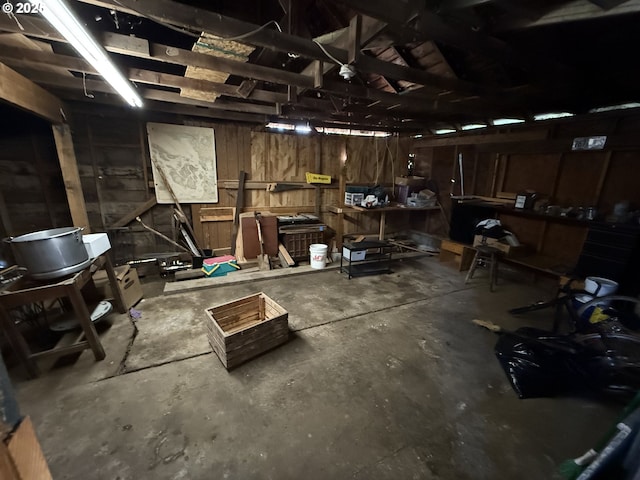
{"x": 21, "y": 92}
{"x": 41, "y": 29}
{"x": 106, "y": 100}
{"x": 170, "y": 12}
{"x": 575, "y": 11}
{"x": 36, "y": 58}
{"x": 149, "y": 94}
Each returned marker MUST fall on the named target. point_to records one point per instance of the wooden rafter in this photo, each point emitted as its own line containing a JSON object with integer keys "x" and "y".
{"x": 169, "y": 12}
{"x": 21, "y": 92}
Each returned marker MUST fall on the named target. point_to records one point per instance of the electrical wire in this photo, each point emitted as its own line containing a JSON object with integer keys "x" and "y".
{"x": 328, "y": 54}
{"x": 196, "y": 35}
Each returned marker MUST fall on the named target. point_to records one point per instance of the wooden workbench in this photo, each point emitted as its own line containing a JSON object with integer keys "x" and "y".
{"x": 382, "y": 211}
{"x": 26, "y": 290}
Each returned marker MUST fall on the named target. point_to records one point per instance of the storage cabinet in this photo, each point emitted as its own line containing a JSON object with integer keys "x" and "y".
{"x": 366, "y": 258}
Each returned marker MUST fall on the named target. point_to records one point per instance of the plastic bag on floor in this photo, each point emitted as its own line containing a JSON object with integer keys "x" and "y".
{"x": 539, "y": 364}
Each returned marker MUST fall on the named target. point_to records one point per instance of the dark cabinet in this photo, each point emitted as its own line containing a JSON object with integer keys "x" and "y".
{"x": 612, "y": 251}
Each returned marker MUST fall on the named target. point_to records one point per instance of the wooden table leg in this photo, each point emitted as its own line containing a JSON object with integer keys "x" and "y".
{"x": 84, "y": 317}
{"x": 383, "y": 222}
{"x": 18, "y": 343}
{"x": 115, "y": 287}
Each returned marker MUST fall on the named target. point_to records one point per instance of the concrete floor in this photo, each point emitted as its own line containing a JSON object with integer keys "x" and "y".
{"x": 384, "y": 377}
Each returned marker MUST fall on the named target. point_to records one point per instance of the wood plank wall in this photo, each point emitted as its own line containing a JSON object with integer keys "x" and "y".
{"x": 115, "y": 172}
{"x": 32, "y": 195}
{"x": 548, "y": 166}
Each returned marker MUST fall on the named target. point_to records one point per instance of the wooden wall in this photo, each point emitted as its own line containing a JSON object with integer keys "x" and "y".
{"x": 32, "y": 195}
{"x": 540, "y": 158}
{"x": 113, "y": 160}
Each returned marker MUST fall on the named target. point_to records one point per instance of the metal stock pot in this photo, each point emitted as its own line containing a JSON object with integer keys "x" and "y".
{"x": 51, "y": 253}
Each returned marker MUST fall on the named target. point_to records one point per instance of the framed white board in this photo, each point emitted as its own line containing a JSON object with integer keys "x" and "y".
{"x": 187, "y": 157}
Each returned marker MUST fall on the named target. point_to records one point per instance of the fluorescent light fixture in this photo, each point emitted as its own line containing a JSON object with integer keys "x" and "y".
{"x": 506, "y": 121}
{"x": 551, "y": 116}
{"x": 473, "y": 126}
{"x": 280, "y": 126}
{"x": 444, "y": 131}
{"x": 622, "y": 106}
{"x": 60, "y": 16}
{"x": 418, "y": 135}
{"x": 303, "y": 129}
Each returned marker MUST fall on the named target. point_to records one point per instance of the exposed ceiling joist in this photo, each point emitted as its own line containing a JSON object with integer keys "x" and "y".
{"x": 45, "y": 78}
{"x": 430, "y": 26}
{"x": 36, "y": 58}
{"x": 575, "y": 11}
{"x": 37, "y": 28}
{"x": 164, "y": 53}
{"x": 173, "y": 13}
{"x": 25, "y": 94}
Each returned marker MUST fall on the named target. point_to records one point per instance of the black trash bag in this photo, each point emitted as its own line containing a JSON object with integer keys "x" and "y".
{"x": 539, "y": 364}
{"x": 533, "y": 367}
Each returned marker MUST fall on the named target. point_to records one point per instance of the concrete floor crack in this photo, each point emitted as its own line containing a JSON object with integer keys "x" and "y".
{"x": 123, "y": 363}
{"x": 424, "y": 299}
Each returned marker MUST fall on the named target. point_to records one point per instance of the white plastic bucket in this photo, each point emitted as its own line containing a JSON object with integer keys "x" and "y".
{"x": 600, "y": 287}
{"x": 318, "y": 255}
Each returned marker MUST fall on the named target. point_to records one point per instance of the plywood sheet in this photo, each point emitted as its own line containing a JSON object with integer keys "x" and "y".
{"x": 187, "y": 156}
{"x": 216, "y": 47}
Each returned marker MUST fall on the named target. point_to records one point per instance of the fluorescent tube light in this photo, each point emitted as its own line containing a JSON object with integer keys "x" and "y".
{"x": 551, "y": 116}
{"x": 473, "y": 126}
{"x": 444, "y": 131}
{"x": 506, "y": 121}
{"x": 62, "y": 19}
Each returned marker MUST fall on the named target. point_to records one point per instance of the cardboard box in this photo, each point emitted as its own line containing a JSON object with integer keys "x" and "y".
{"x": 96, "y": 244}
{"x": 21, "y": 456}
{"x": 127, "y": 280}
{"x": 508, "y": 250}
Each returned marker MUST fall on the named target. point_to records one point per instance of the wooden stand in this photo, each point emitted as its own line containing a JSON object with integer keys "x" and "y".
{"x": 462, "y": 254}
{"x": 26, "y": 291}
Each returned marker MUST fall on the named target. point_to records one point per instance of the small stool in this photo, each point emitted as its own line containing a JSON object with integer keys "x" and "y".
{"x": 485, "y": 254}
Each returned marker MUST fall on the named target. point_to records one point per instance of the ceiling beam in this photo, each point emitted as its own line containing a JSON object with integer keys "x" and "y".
{"x": 430, "y": 26}
{"x": 36, "y": 58}
{"x": 575, "y": 11}
{"x": 163, "y": 53}
{"x": 21, "y": 92}
{"x": 106, "y": 100}
{"x": 38, "y": 28}
{"x": 61, "y": 81}
{"x": 173, "y": 13}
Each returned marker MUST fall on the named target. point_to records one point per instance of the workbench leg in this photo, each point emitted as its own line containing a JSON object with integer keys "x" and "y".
{"x": 383, "y": 222}
{"x": 115, "y": 287}
{"x": 18, "y": 343}
{"x": 84, "y": 317}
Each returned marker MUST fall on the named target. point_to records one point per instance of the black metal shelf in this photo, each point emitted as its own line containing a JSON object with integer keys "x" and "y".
{"x": 377, "y": 258}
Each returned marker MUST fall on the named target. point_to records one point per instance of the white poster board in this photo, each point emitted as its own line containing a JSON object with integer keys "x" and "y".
{"x": 187, "y": 157}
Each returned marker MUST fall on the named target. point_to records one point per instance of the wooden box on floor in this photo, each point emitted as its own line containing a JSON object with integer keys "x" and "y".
{"x": 245, "y": 328}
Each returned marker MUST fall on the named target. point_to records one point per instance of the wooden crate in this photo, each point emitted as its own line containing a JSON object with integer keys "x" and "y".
{"x": 245, "y": 328}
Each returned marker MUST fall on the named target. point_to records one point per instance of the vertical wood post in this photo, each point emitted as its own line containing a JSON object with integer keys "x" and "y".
{"x": 70, "y": 175}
